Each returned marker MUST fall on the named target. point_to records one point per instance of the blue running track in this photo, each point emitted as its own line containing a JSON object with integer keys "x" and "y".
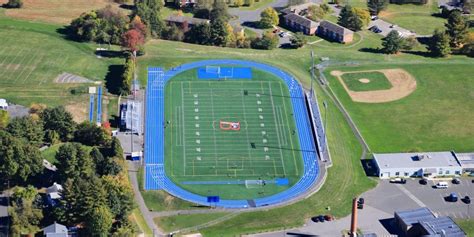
{"x": 155, "y": 176}
{"x": 99, "y": 105}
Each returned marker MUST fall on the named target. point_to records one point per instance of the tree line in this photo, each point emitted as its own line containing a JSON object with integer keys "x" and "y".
{"x": 97, "y": 195}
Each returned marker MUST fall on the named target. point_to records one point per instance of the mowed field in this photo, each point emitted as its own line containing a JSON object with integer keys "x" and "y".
{"x": 32, "y": 55}
{"x": 437, "y": 116}
{"x": 265, "y": 147}
{"x": 54, "y": 11}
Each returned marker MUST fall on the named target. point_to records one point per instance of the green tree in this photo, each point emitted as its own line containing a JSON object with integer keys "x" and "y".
{"x": 14, "y": 4}
{"x": 127, "y": 76}
{"x": 4, "y": 118}
{"x": 115, "y": 148}
{"x": 315, "y": 13}
{"x": 238, "y": 3}
{"x": 21, "y": 194}
{"x": 363, "y": 14}
{"x": 199, "y": 34}
{"x": 219, "y": 34}
{"x": 25, "y": 218}
{"x": 51, "y": 137}
{"x": 267, "y": 41}
{"x": 349, "y": 19}
{"x": 457, "y": 29}
{"x": 99, "y": 221}
{"x": 376, "y": 6}
{"x": 90, "y": 134}
{"x": 268, "y": 18}
{"x": 392, "y": 43}
{"x": 18, "y": 159}
{"x": 59, "y": 120}
{"x": 119, "y": 196}
{"x": 468, "y": 49}
{"x": 439, "y": 44}
{"x": 219, "y": 11}
{"x": 74, "y": 161}
{"x": 298, "y": 40}
{"x": 149, "y": 12}
{"x": 27, "y": 128}
{"x": 249, "y": 2}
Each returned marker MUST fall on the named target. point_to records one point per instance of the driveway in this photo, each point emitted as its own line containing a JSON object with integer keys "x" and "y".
{"x": 386, "y": 27}
{"x": 382, "y": 201}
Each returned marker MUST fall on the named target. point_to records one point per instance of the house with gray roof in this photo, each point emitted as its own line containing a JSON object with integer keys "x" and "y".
{"x": 335, "y": 32}
{"x": 300, "y": 9}
{"x": 185, "y": 22}
{"x": 55, "y": 230}
{"x": 422, "y": 222}
{"x": 300, "y": 24}
{"x": 427, "y": 164}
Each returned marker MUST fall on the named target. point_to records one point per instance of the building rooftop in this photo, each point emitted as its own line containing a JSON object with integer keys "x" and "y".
{"x": 335, "y": 28}
{"x": 301, "y": 20}
{"x": 442, "y": 226}
{"x": 55, "y": 228}
{"x": 3, "y": 103}
{"x": 414, "y": 216}
{"x": 416, "y": 160}
{"x": 466, "y": 160}
{"x": 298, "y": 8}
{"x": 189, "y": 20}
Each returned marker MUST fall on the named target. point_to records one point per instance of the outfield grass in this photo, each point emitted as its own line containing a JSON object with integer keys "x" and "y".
{"x": 378, "y": 81}
{"x": 32, "y": 55}
{"x": 436, "y": 117}
{"x": 174, "y": 223}
{"x": 467, "y": 225}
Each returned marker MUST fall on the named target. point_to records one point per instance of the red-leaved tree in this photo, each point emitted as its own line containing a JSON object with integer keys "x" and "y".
{"x": 133, "y": 39}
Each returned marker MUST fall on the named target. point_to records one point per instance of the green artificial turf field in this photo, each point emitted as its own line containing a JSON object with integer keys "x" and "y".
{"x": 377, "y": 81}
{"x": 263, "y": 145}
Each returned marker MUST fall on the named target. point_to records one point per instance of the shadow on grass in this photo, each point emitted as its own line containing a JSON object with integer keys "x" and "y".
{"x": 113, "y": 79}
{"x": 255, "y": 25}
{"x": 372, "y": 50}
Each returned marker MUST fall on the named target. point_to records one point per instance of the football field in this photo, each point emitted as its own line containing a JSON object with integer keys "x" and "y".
{"x": 221, "y": 133}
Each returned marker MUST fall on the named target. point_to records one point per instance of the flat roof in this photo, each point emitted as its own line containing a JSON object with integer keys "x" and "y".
{"x": 3, "y": 103}
{"x": 416, "y": 160}
{"x": 466, "y": 160}
{"x": 442, "y": 226}
{"x": 414, "y": 216}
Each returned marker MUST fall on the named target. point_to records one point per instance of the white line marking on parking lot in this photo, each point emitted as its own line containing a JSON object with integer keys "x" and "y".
{"x": 411, "y": 196}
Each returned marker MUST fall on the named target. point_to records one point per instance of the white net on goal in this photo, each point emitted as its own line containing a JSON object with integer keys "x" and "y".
{"x": 213, "y": 69}
{"x": 254, "y": 183}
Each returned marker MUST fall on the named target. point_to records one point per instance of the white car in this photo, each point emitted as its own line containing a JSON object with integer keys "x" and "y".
{"x": 398, "y": 180}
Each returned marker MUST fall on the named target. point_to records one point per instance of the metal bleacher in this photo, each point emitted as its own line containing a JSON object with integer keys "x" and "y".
{"x": 155, "y": 176}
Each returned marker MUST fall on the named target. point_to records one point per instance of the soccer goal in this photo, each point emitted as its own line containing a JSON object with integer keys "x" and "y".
{"x": 213, "y": 69}
{"x": 252, "y": 183}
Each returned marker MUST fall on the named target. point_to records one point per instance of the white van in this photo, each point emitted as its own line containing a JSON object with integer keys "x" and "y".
{"x": 442, "y": 185}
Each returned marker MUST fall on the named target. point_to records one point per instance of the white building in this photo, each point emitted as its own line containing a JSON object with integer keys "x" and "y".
{"x": 467, "y": 162}
{"x": 3, "y": 104}
{"x": 428, "y": 164}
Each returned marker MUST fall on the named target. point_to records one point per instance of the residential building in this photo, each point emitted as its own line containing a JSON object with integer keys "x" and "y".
{"x": 55, "y": 230}
{"x": 422, "y": 222}
{"x": 54, "y": 194}
{"x": 301, "y": 24}
{"x": 185, "y": 22}
{"x": 335, "y": 32}
{"x": 429, "y": 164}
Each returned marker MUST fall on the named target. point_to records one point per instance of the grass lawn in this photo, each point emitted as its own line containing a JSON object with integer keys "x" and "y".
{"x": 377, "y": 81}
{"x": 50, "y": 153}
{"x": 256, "y": 5}
{"x": 436, "y": 117}
{"x": 467, "y": 225}
{"x": 417, "y": 18}
{"x": 32, "y": 55}
{"x": 174, "y": 223}
{"x": 138, "y": 219}
{"x": 54, "y": 11}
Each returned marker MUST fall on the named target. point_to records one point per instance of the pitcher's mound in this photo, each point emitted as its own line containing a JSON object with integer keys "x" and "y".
{"x": 364, "y": 80}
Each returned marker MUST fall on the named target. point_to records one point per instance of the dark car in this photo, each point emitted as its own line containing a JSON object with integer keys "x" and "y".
{"x": 453, "y": 197}
{"x": 361, "y": 201}
{"x": 328, "y": 218}
{"x": 467, "y": 200}
{"x": 456, "y": 181}
{"x": 321, "y": 218}
{"x": 315, "y": 218}
{"x": 423, "y": 182}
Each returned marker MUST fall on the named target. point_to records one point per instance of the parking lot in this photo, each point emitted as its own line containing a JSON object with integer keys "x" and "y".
{"x": 389, "y": 197}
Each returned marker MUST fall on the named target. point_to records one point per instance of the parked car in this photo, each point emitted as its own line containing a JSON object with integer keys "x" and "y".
{"x": 281, "y": 34}
{"x": 456, "y": 181}
{"x": 374, "y": 18}
{"x": 321, "y": 218}
{"x": 328, "y": 218}
{"x": 453, "y": 197}
{"x": 315, "y": 218}
{"x": 423, "y": 181}
{"x": 361, "y": 201}
{"x": 442, "y": 185}
{"x": 467, "y": 200}
{"x": 398, "y": 180}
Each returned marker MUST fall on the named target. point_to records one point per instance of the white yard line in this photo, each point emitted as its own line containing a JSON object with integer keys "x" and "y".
{"x": 276, "y": 127}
